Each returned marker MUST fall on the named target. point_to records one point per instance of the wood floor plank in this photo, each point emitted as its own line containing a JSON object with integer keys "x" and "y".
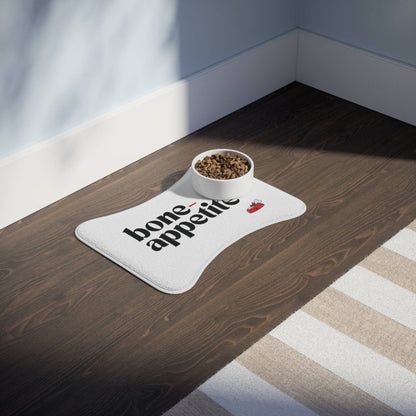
{"x": 79, "y": 335}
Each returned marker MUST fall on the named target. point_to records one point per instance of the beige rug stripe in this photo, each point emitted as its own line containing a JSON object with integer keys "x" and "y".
{"x": 197, "y": 404}
{"x": 363, "y": 324}
{"x": 307, "y": 382}
{"x": 392, "y": 266}
{"x": 412, "y": 226}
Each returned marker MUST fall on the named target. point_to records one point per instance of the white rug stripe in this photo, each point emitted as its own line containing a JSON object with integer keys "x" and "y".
{"x": 380, "y": 294}
{"x": 242, "y": 393}
{"x": 378, "y": 376}
{"x": 404, "y": 243}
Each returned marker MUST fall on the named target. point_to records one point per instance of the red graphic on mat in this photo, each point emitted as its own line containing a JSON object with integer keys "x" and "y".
{"x": 192, "y": 204}
{"x": 255, "y": 206}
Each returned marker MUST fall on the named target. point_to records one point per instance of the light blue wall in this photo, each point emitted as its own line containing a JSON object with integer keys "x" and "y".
{"x": 211, "y": 31}
{"x": 65, "y": 62}
{"x": 384, "y": 27}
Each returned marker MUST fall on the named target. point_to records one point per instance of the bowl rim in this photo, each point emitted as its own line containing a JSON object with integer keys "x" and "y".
{"x": 213, "y": 151}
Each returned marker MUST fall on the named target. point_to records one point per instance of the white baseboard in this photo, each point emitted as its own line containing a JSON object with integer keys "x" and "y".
{"x": 364, "y": 78}
{"x": 46, "y": 172}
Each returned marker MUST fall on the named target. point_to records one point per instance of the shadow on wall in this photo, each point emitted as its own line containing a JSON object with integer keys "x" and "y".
{"x": 282, "y": 125}
{"x": 64, "y": 63}
{"x": 209, "y": 34}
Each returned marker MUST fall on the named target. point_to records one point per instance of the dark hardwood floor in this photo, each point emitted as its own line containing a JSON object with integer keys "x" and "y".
{"x": 81, "y": 336}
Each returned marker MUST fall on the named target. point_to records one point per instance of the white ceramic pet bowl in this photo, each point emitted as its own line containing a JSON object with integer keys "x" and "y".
{"x": 222, "y": 188}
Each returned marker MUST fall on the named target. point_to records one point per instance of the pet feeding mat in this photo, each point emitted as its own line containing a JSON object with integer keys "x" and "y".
{"x": 168, "y": 240}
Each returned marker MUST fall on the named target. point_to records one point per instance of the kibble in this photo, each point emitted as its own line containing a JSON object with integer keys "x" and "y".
{"x": 222, "y": 166}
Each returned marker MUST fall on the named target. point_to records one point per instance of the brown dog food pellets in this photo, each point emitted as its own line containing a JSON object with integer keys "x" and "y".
{"x": 220, "y": 166}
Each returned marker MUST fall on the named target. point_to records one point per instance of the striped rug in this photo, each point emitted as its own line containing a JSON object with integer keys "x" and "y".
{"x": 350, "y": 351}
